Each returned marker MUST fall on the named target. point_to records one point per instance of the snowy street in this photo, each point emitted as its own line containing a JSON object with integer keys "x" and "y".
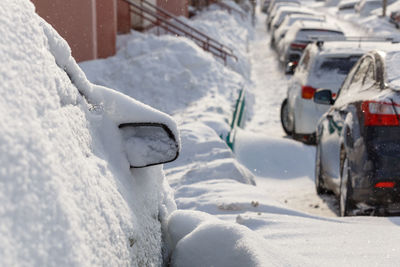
{"x": 284, "y": 168}
{"x": 283, "y": 208}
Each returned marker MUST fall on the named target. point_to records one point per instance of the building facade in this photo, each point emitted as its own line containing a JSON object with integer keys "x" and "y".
{"x": 90, "y": 26}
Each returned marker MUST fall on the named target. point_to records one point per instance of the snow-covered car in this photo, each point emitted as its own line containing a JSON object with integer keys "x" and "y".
{"x": 323, "y": 65}
{"x": 290, "y": 6}
{"x": 265, "y": 6}
{"x": 274, "y": 4}
{"x": 299, "y": 35}
{"x": 283, "y": 13}
{"x": 358, "y": 138}
{"x": 69, "y": 195}
{"x": 290, "y": 48}
{"x": 364, "y": 7}
{"x": 395, "y": 18}
{"x": 347, "y": 6}
{"x": 288, "y": 21}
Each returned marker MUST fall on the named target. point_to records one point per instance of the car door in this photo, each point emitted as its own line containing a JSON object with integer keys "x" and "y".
{"x": 298, "y": 79}
{"x": 338, "y": 116}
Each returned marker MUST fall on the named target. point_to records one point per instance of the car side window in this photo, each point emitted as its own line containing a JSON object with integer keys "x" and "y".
{"x": 369, "y": 78}
{"x": 346, "y": 84}
{"x": 305, "y": 60}
{"x": 355, "y": 80}
{"x": 359, "y": 75}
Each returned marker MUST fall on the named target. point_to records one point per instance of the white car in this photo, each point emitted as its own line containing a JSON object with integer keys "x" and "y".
{"x": 275, "y": 3}
{"x": 323, "y": 65}
{"x": 290, "y": 48}
{"x": 277, "y": 7}
{"x": 284, "y": 12}
{"x": 288, "y": 21}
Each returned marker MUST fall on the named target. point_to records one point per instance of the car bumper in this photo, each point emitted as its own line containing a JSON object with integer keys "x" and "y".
{"x": 377, "y": 200}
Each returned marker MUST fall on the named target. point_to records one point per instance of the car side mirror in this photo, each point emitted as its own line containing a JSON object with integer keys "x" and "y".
{"x": 148, "y": 144}
{"x": 290, "y": 67}
{"x": 324, "y": 97}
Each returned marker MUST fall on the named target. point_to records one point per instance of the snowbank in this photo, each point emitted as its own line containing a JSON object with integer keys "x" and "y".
{"x": 68, "y": 197}
{"x": 203, "y": 240}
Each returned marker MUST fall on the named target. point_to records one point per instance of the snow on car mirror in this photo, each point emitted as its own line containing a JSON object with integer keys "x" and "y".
{"x": 324, "y": 97}
{"x": 148, "y": 144}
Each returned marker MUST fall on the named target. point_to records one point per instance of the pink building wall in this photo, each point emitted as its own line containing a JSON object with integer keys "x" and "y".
{"x": 106, "y": 26}
{"x": 176, "y": 7}
{"x": 89, "y": 26}
{"x": 124, "y": 17}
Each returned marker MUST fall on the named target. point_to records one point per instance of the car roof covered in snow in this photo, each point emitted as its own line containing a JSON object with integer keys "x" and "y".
{"x": 311, "y": 25}
{"x": 346, "y": 48}
{"x": 302, "y": 15}
{"x": 324, "y": 25}
{"x": 392, "y": 64}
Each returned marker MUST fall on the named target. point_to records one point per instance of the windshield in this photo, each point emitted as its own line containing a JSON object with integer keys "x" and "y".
{"x": 338, "y": 65}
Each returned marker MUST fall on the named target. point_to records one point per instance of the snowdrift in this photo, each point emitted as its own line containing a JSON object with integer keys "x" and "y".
{"x": 68, "y": 196}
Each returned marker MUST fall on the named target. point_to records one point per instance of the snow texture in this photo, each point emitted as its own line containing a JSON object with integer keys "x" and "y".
{"x": 68, "y": 195}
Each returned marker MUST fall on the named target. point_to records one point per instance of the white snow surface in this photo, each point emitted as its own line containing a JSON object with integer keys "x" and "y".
{"x": 68, "y": 196}
{"x": 70, "y": 199}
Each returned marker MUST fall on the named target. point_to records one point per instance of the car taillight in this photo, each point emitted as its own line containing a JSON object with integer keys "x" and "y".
{"x": 299, "y": 46}
{"x": 380, "y": 113}
{"x": 307, "y": 92}
{"x": 385, "y": 185}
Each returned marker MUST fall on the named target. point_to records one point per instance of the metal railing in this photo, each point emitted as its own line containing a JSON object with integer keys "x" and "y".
{"x": 169, "y": 23}
{"x": 237, "y": 119}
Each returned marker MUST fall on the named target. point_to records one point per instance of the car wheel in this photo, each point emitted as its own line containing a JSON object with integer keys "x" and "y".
{"x": 319, "y": 182}
{"x": 286, "y": 125}
{"x": 345, "y": 203}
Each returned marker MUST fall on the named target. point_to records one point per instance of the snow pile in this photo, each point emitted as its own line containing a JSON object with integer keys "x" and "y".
{"x": 231, "y": 30}
{"x": 202, "y": 240}
{"x": 68, "y": 196}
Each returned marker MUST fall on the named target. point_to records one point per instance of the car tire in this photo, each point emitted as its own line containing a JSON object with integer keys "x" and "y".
{"x": 345, "y": 204}
{"x": 319, "y": 182}
{"x": 285, "y": 121}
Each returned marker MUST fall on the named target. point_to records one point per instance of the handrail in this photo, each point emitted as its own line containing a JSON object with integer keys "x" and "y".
{"x": 180, "y": 28}
{"x": 169, "y": 15}
{"x": 236, "y": 119}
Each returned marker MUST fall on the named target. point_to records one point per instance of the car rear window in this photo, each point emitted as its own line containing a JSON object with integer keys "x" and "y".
{"x": 338, "y": 65}
{"x": 305, "y": 34}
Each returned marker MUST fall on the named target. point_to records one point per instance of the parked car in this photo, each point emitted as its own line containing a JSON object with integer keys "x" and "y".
{"x": 290, "y": 48}
{"x": 323, "y": 65}
{"x": 347, "y": 6}
{"x": 277, "y": 7}
{"x": 358, "y": 139}
{"x": 265, "y": 6}
{"x": 395, "y": 18}
{"x": 364, "y": 7}
{"x": 275, "y": 3}
{"x": 284, "y": 12}
{"x": 68, "y": 194}
{"x": 288, "y": 21}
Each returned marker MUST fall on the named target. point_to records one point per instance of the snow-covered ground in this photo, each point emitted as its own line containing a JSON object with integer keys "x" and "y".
{"x": 254, "y": 207}
{"x": 283, "y": 207}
